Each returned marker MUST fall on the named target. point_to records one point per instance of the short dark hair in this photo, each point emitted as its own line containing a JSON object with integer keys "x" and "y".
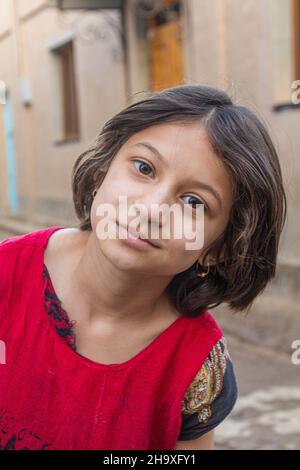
{"x": 249, "y": 244}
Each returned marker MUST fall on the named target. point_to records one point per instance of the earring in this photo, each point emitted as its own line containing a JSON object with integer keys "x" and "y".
{"x": 94, "y": 193}
{"x": 203, "y": 274}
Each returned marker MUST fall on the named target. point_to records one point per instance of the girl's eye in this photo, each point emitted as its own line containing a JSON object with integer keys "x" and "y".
{"x": 196, "y": 202}
{"x": 144, "y": 166}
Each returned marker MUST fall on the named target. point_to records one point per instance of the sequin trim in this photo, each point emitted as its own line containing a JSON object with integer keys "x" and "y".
{"x": 207, "y": 384}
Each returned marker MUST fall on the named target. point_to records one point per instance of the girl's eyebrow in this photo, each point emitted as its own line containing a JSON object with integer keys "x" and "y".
{"x": 152, "y": 149}
{"x": 196, "y": 183}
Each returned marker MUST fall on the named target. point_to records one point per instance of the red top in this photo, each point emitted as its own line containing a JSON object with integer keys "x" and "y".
{"x": 51, "y": 397}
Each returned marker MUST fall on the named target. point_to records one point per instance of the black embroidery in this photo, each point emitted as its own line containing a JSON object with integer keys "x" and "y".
{"x": 56, "y": 313}
{"x": 16, "y": 435}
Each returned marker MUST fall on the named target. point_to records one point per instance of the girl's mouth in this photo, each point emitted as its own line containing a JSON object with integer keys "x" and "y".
{"x": 134, "y": 239}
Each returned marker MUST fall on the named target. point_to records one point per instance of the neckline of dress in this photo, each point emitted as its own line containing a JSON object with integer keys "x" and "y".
{"x": 74, "y": 355}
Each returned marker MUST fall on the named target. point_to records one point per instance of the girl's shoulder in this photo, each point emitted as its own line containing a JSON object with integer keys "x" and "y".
{"x": 63, "y": 241}
{"x": 33, "y": 239}
{"x": 20, "y": 252}
{"x": 15, "y": 242}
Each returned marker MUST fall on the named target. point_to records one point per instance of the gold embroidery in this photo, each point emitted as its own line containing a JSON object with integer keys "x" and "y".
{"x": 207, "y": 384}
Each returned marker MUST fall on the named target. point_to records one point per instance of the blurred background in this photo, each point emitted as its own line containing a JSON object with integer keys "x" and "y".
{"x": 67, "y": 66}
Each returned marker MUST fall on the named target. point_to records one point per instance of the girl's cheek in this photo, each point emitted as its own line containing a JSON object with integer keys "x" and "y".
{"x": 182, "y": 256}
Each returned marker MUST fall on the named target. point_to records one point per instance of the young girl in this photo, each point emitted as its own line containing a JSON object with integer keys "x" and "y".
{"x": 109, "y": 342}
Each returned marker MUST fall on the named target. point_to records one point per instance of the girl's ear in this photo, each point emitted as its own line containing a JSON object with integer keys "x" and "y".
{"x": 212, "y": 259}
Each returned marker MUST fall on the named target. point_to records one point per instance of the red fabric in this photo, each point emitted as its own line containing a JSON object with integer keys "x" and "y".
{"x": 52, "y": 397}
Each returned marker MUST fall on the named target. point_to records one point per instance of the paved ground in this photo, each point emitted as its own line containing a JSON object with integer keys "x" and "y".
{"x": 267, "y": 412}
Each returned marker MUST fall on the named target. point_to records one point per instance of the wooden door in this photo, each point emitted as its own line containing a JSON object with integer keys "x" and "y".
{"x": 166, "y": 50}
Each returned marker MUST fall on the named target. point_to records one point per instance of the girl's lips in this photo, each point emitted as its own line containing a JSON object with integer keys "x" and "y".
{"x": 133, "y": 239}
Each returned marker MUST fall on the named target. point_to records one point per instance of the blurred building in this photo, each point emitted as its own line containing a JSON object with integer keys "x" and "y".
{"x": 64, "y": 72}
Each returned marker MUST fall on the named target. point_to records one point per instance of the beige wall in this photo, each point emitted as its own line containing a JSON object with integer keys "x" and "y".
{"x": 5, "y": 17}
{"x": 28, "y": 7}
{"x": 44, "y": 167}
{"x": 138, "y": 72}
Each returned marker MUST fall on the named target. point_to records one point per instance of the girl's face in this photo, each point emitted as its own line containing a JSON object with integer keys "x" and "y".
{"x": 187, "y": 159}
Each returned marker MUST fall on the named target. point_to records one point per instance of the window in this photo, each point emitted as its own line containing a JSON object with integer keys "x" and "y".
{"x": 67, "y": 91}
{"x": 296, "y": 37}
